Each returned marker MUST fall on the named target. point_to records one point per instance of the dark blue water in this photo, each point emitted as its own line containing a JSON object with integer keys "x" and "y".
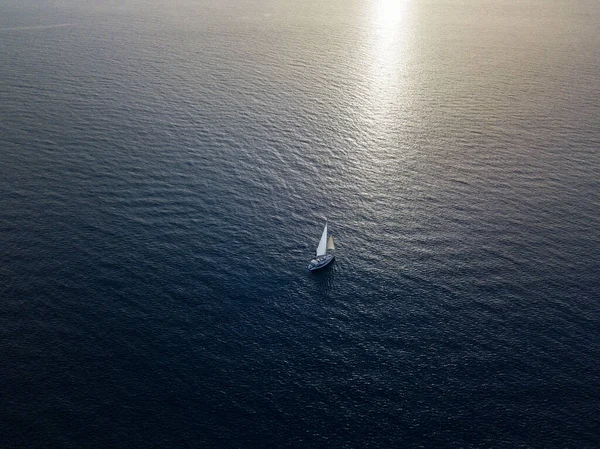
{"x": 165, "y": 173}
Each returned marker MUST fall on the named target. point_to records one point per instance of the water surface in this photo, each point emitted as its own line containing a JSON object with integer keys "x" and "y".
{"x": 166, "y": 171}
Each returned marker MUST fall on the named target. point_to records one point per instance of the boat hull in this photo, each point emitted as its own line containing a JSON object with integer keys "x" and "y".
{"x": 320, "y": 262}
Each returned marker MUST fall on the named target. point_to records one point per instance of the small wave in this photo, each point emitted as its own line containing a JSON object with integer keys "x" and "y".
{"x": 37, "y": 27}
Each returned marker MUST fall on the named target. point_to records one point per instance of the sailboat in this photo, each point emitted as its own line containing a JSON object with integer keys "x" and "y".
{"x": 325, "y": 252}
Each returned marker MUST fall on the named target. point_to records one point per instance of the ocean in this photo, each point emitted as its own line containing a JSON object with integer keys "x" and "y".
{"x": 166, "y": 169}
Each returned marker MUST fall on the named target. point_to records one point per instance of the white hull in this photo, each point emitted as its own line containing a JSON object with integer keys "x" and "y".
{"x": 320, "y": 262}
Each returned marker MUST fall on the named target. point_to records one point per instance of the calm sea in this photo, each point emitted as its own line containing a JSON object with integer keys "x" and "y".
{"x": 166, "y": 169}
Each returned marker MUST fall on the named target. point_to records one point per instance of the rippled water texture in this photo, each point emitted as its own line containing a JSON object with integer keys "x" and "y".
{"x": 165, "y": 172}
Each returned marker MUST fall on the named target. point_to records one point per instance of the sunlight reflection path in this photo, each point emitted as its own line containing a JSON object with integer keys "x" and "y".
{"x": 389, "y": 14}
{"x": 389, "y": 58}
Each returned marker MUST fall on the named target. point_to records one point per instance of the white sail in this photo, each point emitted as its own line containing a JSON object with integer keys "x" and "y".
{"x": 330, "y": 245}
{"x": 322, "y": 248}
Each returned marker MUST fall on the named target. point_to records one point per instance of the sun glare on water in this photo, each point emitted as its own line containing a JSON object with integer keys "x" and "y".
{"x": 386, "y": 63}
{"x": 389, "y": 25}
{"x": 389, "y": 14}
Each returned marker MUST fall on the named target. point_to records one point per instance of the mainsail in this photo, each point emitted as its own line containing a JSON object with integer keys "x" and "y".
{"x": 330, "y": 245}
{"x": 322, "y": 248}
